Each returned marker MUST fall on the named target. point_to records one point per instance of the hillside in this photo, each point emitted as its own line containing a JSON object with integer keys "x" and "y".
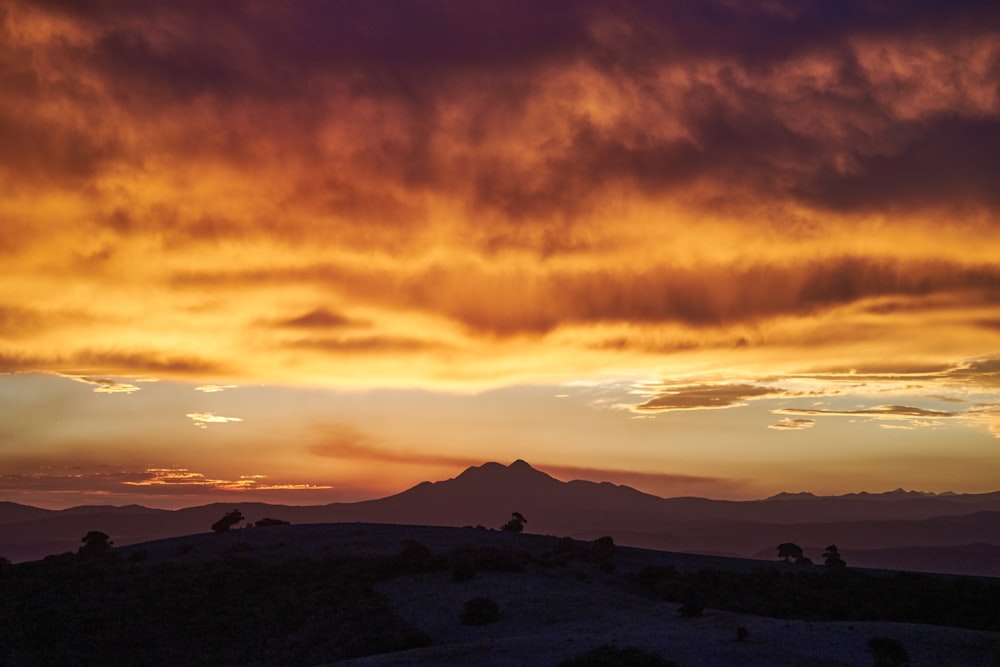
{"x": 377, "y": 594}
{"x": 887, "y": 527}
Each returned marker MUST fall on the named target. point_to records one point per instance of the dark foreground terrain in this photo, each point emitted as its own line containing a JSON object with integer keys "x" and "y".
{"x": 385, "y": 594}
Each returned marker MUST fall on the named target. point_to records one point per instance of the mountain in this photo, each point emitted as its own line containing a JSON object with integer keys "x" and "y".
{"x": 12, "y": 512}
{"x": 487, "y": 495}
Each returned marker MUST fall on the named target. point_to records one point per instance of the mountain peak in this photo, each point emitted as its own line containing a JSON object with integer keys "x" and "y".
{"x": 492, "y": 469}
{"x": 785, "y": 495}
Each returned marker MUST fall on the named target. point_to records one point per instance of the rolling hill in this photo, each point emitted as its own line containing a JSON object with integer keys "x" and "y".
{"x": 887, "y": 527}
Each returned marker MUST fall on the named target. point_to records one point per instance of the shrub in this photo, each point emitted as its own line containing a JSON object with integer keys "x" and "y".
{"x": 888, "y": 652}
{"x": 480, "y": 611}
{"x": 415, "y": 557}
{"x": 268, "y": 522}
{"x": 612, "y": 656}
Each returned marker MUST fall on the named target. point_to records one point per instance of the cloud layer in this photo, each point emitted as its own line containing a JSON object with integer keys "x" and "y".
{"x": 454, "y": 194}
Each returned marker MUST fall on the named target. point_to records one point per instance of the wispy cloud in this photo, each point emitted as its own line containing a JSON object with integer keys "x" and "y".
{"x": 342, "y": 441}
{"x": 105, "y": 385}
{"x": 878, "y": 411}
{"x": 179, "y": 481}
{"x": 214, "y": 388}
{"x": 702, "y": 396}
{"x": 790, "y": 424}
{"x": 203, "y": 419}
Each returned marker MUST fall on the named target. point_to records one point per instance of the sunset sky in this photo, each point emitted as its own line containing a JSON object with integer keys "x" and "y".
{"x": 309, "y": 251}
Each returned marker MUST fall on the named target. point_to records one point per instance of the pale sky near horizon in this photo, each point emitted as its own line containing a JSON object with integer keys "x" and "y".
{"x": 310, "y": 252}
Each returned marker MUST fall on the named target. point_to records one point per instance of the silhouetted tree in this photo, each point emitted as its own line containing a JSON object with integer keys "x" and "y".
{"x": 229, "y": 520}
{"x": 790, "y": 551}
{"x": 95, "y": 543}
{"x": 832, "y": 558}
{"x": 516, "y": 523}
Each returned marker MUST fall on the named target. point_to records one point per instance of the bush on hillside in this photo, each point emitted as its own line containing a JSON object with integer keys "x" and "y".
{"x": 480, "y": 611}
{"x": 888, "y": 652}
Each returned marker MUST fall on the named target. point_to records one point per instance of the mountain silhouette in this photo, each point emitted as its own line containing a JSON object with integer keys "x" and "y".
{"x": 485, "y": 495}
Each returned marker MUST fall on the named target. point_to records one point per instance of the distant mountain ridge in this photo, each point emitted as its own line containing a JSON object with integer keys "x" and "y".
{"x": 487, "y": 494}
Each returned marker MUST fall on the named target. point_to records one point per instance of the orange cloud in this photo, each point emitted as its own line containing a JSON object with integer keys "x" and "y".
{"x": 474, "y": 196}
{"x": 105, "y": 385}
{"x": 700, "y": 397}
{"x": 789, "y": 424}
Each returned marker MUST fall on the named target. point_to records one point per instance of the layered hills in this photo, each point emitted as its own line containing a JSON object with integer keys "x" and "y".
{"x": 952, "y": 533}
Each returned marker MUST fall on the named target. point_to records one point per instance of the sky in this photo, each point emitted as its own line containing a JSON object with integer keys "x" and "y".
{"x": 310, "y": 252}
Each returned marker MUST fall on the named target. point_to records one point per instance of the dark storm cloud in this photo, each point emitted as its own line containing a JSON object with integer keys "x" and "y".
{"x": 702, "y": 297}
{"x": 942, "y": 159}
{"x": 519, "y": 169}
{"x": 414, "y": 58}
{"x": 49, "y": 150}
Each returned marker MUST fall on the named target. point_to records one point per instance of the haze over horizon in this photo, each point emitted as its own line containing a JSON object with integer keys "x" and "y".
{"x": 315, "y": 252}
{"x": 171, "y": 503}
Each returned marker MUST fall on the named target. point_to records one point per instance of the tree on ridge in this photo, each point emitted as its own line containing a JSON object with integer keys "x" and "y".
{"x": 95, "y": 544}
{"x": 791, "y": 552}
{"x": 229, "y": 520}
{"x": 516, "y": 523}
{"x": 832, "y": 557}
